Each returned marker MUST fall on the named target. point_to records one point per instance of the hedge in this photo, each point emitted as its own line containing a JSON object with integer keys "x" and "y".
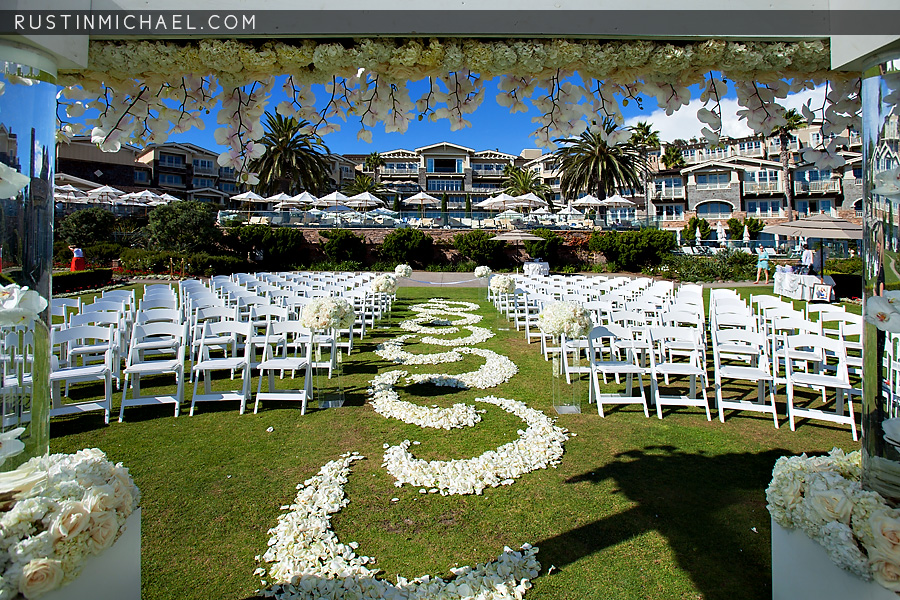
{"x": 73, "y": 281}
{"x": 194, "y": 265}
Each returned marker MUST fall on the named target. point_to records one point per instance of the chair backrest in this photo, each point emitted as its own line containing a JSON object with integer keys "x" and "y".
{"x": 684, "y": 339}
{"x": 157, "y": 301}
{"x": 83, "y": 333}
{"x": 175, "y": 333}
{"x": 116, "y": 306}
{"x": 828, "y": 350}
{"x": 265, "y": 313}
{"x": 156, "y": 315}
{"x": 732, "y": 342}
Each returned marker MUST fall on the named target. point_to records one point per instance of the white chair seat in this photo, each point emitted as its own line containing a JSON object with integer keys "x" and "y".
{"x": 219, "y": 364}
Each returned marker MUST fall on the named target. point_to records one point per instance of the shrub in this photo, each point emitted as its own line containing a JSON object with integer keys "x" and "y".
{"x": 478, "y": 247}
{"x": 81, "y": 280}
{"x": 188, "y": 226}
{"x": 85, "y": 227}
{"x": 194, "y": 265}
{"x": 736, "y": 228}
{"x": 548, "y": 248}
{"x": 844, "y": 266}
{"x": 407, "y": 245}
{"x": 282, "y": 249}
{"x": 633, "y": 250}
{"x": 346, "y": 265}
{"x": 729, "y": 265}
{"x": 343, "y": 245}
{"x": 689, "y": 233}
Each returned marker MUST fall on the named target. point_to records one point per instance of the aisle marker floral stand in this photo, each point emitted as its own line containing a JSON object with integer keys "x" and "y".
{"x": 566, "y": 321}
{"x": 325, "y": 317}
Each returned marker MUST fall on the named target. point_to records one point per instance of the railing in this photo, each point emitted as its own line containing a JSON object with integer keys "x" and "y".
{"x": 858, "y": 214}
{"x": 749, "y": 152}
{"x": 770, "y": 187}
{"x": 444, "y": 172}
{"x": 668, "y": 193}
{"x": 820, "y": 187}
{"x": 857, "y": 181}
{"x": 228, "y": 174}
{"x": 715, "y": 216}
{"x": 386, "y": 171}
{"x": 767, "y": 214}
{"x": 478, "y": 173}
{"x": 198, "y": 170}
{"x": 713, "y": 186}
{"x": 672, "y": 217}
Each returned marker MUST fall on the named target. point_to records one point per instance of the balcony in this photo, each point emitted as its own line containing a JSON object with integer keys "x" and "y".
{"x": 767, "y": 214}
{"x": 714, "y": 186}
{"x": 491, "y": 174}
{"x": 716, "y": 216}
{"x": 227, "y": 174}
{"x": 395, "y": 171}
{"x": 198, "y": 170}
{"x": 671, "y": 217}
{"x": 770, "y": 187}
{"x": 668, "y": 194}
{"x": 749, "y": 152}
{"x": 817, "y": 187}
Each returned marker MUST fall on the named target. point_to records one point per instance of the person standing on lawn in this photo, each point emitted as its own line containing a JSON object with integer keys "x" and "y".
{"x": 78, "y": 263}
{"x": 762, "y": 263}
{"x": 806, "y": 261}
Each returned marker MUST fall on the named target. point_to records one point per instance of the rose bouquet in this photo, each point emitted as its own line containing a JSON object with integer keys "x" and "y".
{"x": 567, "y": 318}
{"x": 402, "y": 271}
{"x": 502, "y": 284}
{"x": 75, "y": 508}
{"x": 327, "y": 313}
{"x": 823, "y": 497}
{"x": 386, "y": 283}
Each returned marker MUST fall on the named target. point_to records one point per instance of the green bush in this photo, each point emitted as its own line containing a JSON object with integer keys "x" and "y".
{"x": 85, "y": 227}
{"x": 478, "y": 247}
{"x": 633, "y": 250}
{"x": 343, "y": 245}
{"x": 188, "y": 226}
{"x": 844, "y": 266}
{"x": 546, "y": 249}
{"x": 736, "y": 228}
{"x": 91, "y": 279}
{"x": 282, "y": 249}
{"x": 727, "y": 265}
{"x": 195, "y": 265}
{"x": 458, "y": 267}
{"x": 689, "y": 233}
{"x": 407, "y": 245}
{"x": 329, "y": 265}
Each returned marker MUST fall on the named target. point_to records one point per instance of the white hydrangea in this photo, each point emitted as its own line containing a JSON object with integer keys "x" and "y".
{"x": 565, "y": 318}
{"x": 402, "y": 270}
{"x": 502, "y": 284}
{"x": 386, "y": 283}
{"x": 327, "y": 313}
{"x": 482, "y": 272}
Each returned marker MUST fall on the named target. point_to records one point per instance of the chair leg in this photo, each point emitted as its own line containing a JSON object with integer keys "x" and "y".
{"x": 643, "y": 396}
{"x": 772, "y": 402}
{"x": 124, "y": 393}
{"x": 654, "y": 392}
{"x": 790, "y": 401}
{"x": 719, "y": 400}
{"x": 108, "y": 397}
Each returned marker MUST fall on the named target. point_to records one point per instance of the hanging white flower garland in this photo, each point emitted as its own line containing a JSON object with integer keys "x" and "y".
{"x": 178, "y": 82}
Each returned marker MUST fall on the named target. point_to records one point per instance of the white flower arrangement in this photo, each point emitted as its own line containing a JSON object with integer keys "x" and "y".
{"x": 823, "y": 497}
{"x": 538, "y": 447}
{"x": 392, "y": 350}
{"x": 19, "y": 305}
{"x": 496, "y": 370}
{"x": 482, "y": 272}
{"x": 327, "y": 313}
{"x": 305, "y": 558}
{"x": 386, "y": 283}
{"x": 387, "y": 403}
{"x": 565, "y": 318}
{"x": 403, "y": 270}
{"x": 478, "y": 335}
{"x": 75, "y": 508}
{"x": 502, "y": 284}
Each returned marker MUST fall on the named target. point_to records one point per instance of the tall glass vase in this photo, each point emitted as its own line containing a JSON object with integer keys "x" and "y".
{"x": 881, "y": 340}
{"x": 27, "y": 156}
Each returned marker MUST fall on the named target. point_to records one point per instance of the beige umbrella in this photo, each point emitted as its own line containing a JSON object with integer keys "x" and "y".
{"x": 364, "y": 200}
{"x": 530, "y": 200}
{"x": 422, "y": 199}
{"x": 104, "y": 193}
{"x": 589, "y": 201}
{"x": 304, "y": 198}
{"x": 332, "y": 199}
{"x": 820, "y": 226}
{"x": 249, "y": 198}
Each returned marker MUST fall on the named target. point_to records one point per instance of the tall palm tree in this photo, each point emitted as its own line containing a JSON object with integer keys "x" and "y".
{"x": 673, "y": 158}
{"x": 293, "y": 161}
{"x": 373, "y": 162}
{"x": 794, "y": 121}
{"x": 521, "y": 181}
{"x": 363, "y": 183}
{"x": 645, "y": 139}
{"x": 590, "y": 165}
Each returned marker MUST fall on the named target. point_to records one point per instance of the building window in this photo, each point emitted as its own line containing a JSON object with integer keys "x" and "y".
{"x": 230, "y": 188}
{"x": 670, "y": 212}
{"x": 444, "y": 165}
{"x": 713, "y": 181}
{"x": 171, "y": 160}
{"x": 444, "y": 185}
{"x": 818, "y": 174}
{"x": 141, "y": 177}
{"x": 202, "y": 165}
{"x": 815, "y": 138}
{"x": 763, "y": 207}
{"x": 170, "y": 179}
{"x": 203, "y": 182}
{"x": 713, "y": 208}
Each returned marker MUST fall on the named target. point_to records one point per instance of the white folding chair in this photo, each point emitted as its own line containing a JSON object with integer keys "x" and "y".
{"x": 597, "y": 339}
{"x": 211, "y": 340}
{"x": 752, "y": 347}
{"x": 74, "y": 373}
{"x": 283, "y": 333}
{"x": 168, "y": 341}
{"x": 691, "y": 366}
{"x": 832, "y": 351}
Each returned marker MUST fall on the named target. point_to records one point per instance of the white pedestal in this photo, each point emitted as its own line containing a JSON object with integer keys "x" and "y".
{"x": 801, "y": 569}
{"x": 113, "y": 575}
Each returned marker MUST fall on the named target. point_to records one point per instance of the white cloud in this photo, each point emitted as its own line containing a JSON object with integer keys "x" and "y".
{"x": 685, "y": 125}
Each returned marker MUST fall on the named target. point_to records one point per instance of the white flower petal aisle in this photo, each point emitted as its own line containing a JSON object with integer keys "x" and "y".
{"x": 305, "y": 559}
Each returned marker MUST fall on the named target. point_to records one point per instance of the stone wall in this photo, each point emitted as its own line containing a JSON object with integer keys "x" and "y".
{"x": 731, "y": 195}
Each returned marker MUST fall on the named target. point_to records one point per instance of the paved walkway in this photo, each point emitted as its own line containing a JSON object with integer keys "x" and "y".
{"x": 439, "y": 279}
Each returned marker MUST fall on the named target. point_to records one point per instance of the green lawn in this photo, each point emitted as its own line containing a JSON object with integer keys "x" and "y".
{"x": 638, "y": 508}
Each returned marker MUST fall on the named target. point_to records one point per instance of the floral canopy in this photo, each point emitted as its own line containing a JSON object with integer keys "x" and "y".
{"x": 147, "y": 90}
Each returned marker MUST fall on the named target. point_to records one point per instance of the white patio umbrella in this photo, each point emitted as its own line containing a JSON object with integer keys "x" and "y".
{"x": 503, "y": 200}
{"x": 104, "y": 193}
{"x": 569, "y": 211}
{"x": 720, "y": 233}
{"x": 364, "y": 200}
{"x": 489, "y": 204}
{"x": 746, "y": 234}
{"x": 614, "y": 201}
{"x": 530, "y": 200}
{"x": 169, "y": 198}
{"x": 386, "y": 212}
{"x": 279, "y": 197}
{"x": 69, "y": 190}
{"x": 421, "y": 199}
{"x": 142, "y": 196}
{"x": 542, "y": 211}
{"x": 697, "y": 237}
{"x": 589, "y": 201}
{"x": 248, "y": 197}
{"x": 332, "y": 199}
{"x": 304, "y": 198}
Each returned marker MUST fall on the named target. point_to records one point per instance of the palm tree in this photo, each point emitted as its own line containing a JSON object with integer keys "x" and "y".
{"x": 521, "y": 181}
{"x": 293, "y": 161}
{"x": 793, "y": 122}
{"x": 673, "y": 158}
{"x": 645, "y": 139}
{"x": 590, "y": 165}
{"x": 363, "y": 183}
{"x": 373, "y": 162}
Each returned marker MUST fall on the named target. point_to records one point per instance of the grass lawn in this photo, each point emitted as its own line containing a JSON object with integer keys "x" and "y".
{"x": 638, "y": 508}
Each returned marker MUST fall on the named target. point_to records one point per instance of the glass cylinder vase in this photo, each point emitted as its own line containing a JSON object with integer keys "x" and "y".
{"x": 27, "y": 160}
{"x": 881, "y": 334}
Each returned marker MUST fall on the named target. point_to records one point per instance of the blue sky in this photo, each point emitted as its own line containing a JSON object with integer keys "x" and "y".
{"x": 493, "y": 127}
